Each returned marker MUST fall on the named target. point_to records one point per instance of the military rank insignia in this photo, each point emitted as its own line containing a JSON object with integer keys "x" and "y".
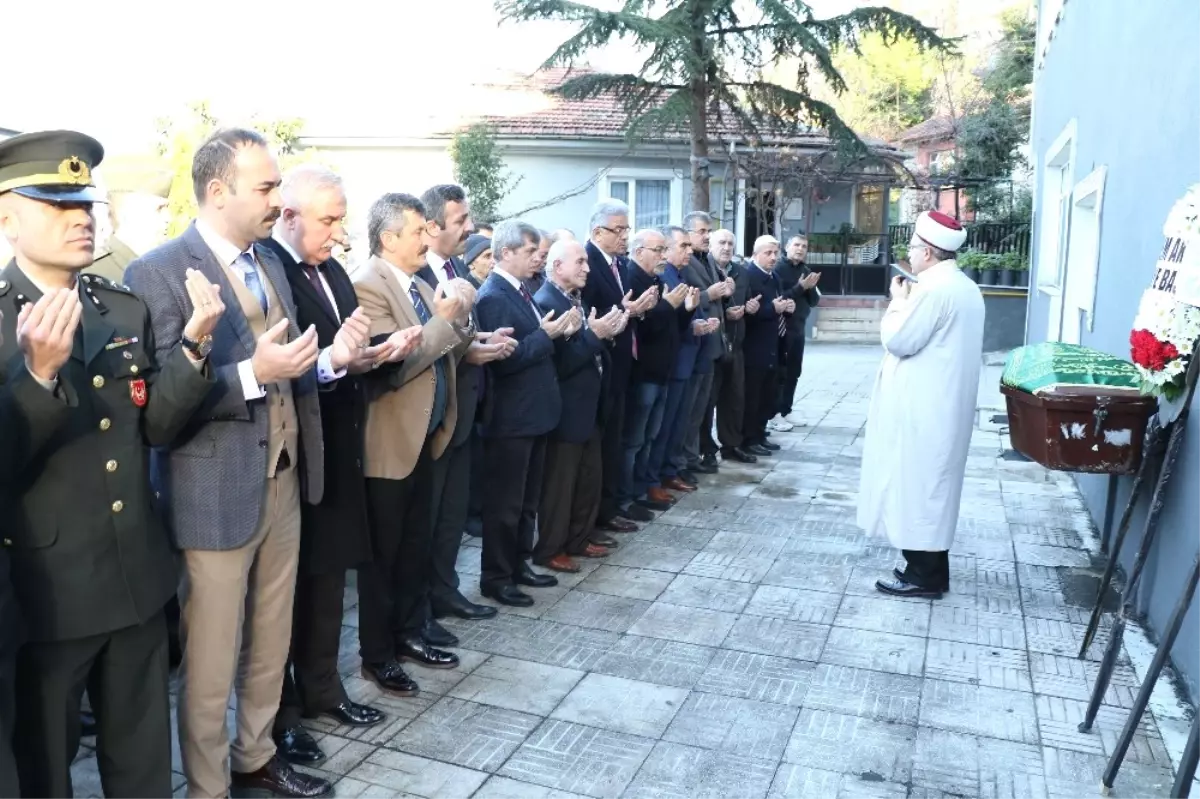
{"x": 137, "y": 392}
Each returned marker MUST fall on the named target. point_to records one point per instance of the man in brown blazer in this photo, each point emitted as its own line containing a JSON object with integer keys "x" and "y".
{"x": 411, "y": 413}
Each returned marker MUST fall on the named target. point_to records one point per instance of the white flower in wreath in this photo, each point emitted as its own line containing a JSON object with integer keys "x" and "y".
{"x": 1184, "y": 218}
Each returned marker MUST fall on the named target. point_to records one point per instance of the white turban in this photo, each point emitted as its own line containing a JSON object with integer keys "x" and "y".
{"x": 940, "y": 230}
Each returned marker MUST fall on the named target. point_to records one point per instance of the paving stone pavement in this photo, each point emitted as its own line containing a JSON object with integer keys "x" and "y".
{"x": 735, "y": 647}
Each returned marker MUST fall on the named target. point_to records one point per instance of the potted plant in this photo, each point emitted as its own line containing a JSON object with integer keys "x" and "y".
{"x": 1021, "y": 273}
{"x": 969, "y": 261}
{"x": 989, "y": 269}
{"x": 900, "y": 253}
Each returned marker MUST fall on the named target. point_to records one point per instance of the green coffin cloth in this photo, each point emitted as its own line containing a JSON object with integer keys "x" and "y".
{"x": 1050, "y": 365}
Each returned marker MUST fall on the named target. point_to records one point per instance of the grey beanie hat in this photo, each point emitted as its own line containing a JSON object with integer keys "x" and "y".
{"x": 477, "y": 245}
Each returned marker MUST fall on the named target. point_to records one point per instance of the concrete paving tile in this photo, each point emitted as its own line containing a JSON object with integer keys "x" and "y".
{"x": 504, "y": 788}
{"x": 627, "y": 582}
{"x": 798, "y": 572}
{"x": 852, "y": 744}
{"x": 621, "y": 705}
{"x": 518, "y": 685}
{"x": 689, "y": 625}
{"x": 675, "y": 771}
{"x": 411, "y": 775}
{"x": 580, "y": 759}
{"x": 793, "y": 604}
{"x": 861, "y": 692}
{"x": 752, "y": 676}
{"x": 656, "y": 660}
{"x": 1058, "y": 724}
{"x": 1071, "y": 774}
{"x": 979, "y": 710}
{"x": 743, "y": 568}
{"x": 779, "y": 637}
{"x": 883, "y": 615}
{"x": 744, "y": 727}
{"x": 650, "y": 556}
{"x": 468, "y": 734}
{"x": 896, "y": 654}
{"x": 671, "y": 535}
{"x": 601, "y": 611}
{"x": 705, "y": 592}
{"x": 975, "y": 664}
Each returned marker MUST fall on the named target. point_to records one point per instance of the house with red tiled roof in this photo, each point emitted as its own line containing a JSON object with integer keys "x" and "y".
{"x": 931, "y": 145}
{"x": 568, "y": 154}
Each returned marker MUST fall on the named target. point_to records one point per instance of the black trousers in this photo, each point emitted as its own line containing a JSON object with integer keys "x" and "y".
{"x": 708, "y": 443}
{"x": 730, "y": 388}
{"x": 761, "y": 399}
{"x": 510, "y": 505}
{"x": 791, "y": 363}
{"x": 125, "y": 673}
{"x": 570, "y": 497}
{"x": 9, "y": 784}
{"x": 391, "y": 590}
{"x": 311, "y": 682}
{"x": 612, "y": 454}
{"x": 927, "y": 569}
{"x": 451, "y": 507}
{"x": 475, "y": 494}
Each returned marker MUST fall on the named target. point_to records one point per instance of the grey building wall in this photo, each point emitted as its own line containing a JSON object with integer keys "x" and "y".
{"x": 1128, "y": 74}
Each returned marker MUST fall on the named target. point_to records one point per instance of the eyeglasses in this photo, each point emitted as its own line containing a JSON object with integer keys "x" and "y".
{"x": 616, "y": 231}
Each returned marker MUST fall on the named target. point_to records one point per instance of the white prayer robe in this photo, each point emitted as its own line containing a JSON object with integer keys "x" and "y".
{"x": 923, "y": 411}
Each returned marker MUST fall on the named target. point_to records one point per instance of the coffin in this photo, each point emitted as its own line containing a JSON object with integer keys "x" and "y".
{"x": 1074, "y": 409}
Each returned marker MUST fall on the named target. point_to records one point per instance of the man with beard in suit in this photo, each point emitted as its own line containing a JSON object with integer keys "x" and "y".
{"x": 334, "y": 535}
{"x": 448, "y": 225}
{"x": 608, "y": 288}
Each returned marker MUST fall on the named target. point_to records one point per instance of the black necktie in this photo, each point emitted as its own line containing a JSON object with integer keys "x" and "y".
{"x": 782, "y": 318}
{"x": 313, "y": 273}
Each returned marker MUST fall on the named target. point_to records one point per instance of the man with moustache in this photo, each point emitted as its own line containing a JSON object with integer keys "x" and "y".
{"x": 235, "y": 477}
{"x": 333, "y": 533}
{"x": 92, "y": 566}
{"x": 411, "y": 418}
{"x": 607, "y": 288}
{"x": 448, "y": 228}
{"x": 571, "y": 482}
{"x": 537, "y": 277}
{"x": 523, "y": 407}
{"x": 728, "y": 405}
{"x": 800, "y": 285}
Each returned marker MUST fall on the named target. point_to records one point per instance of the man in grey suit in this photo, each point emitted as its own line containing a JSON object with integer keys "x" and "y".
{"x": 234, "y": 478}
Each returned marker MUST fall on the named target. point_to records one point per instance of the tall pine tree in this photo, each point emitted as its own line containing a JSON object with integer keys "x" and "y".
{"x": 709, "y": 59}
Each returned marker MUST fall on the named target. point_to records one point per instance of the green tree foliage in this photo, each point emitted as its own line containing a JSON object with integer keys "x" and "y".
{"x": 707, "y": 59}
{"x": 892, "y": 87}
{"x": 479, "y": 169}
{"x": 179, "y": 137}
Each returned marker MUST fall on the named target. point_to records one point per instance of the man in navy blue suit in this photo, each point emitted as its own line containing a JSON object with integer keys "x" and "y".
{"x": 607, "y": 288}
{"x": 571, "y": 486}
{"x": 522, "y": 407}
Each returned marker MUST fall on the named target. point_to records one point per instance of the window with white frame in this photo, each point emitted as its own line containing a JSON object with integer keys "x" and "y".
{"x": 1057, "y": 183}
{"x": 1083, "y": 256}
{"x": 654, "y": 199}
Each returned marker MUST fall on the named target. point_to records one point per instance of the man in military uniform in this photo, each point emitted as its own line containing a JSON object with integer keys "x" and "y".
{"x": 137, "y": 211}
{"x": 92, "y": 565}
{"x": 13, "y": 430}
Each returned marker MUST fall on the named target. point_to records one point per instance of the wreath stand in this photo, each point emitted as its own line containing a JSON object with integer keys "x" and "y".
{"x": 1164, "y": 458}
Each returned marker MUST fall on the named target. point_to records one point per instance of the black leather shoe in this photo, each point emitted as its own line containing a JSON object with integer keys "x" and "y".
{"x": 703, "y": 468}
{"x": 295, "y": 745}
{"x": 87, "y": 724}
{"x": 902, "y": 588}
{"x": 739, "y": 455}
{"x": 710, "y": 460}
{"x": 760, "y": 451}
{"x": 508, "y": 595}
{"x": 637, "y": 513}
{"x": 437, "y": 635}
{"x": 415, "y": 650}
{"x": 650, "y": 504}
{"x": 462, "y": 607}
{"x": 277, "y": 778}
{"x": 688, "y": 477}
{"x": 771, "y": 447}
{"x": 350, "y": 714}
{"x": 618, "y": 525}
{"x": 527, "y": 576}
{"x": 900, "y": 576}
{"x": 390, "y": 678}
{"x": 599, "y": 539}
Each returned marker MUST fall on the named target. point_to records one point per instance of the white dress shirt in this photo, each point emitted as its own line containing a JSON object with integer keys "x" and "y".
{"x": 227, "y": 254}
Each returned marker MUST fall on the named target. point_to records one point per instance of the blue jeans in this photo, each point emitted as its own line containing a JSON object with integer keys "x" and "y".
{"x": 643, "y": 418}
{"x": 669, "y": 441}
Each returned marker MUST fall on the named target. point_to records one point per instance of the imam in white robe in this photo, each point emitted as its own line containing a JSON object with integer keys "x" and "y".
{"x": 923, "y": 411}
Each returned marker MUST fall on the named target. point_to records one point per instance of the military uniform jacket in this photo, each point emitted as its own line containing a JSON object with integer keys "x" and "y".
{"x": 89, "y": 554}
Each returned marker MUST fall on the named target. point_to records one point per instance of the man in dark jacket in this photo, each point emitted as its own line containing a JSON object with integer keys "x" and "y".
{"x": 655, "y": 349}
{"x": 799, "y": 284}
{"x": 523, "y": 407}
{"x": 334, "y": 535}
{"x": 764, "y": 328}
{"x": 572, "y": 475}
{"x": 728, "y": 408}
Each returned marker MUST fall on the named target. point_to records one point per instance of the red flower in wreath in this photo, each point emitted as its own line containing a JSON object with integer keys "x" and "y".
{"x": 1150, "y": 353}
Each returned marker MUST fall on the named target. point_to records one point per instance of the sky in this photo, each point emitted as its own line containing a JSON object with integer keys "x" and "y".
{"x": 129, "y": 64}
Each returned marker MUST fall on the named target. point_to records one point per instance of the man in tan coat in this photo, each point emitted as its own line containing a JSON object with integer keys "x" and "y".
{"x": 411, "y": 414}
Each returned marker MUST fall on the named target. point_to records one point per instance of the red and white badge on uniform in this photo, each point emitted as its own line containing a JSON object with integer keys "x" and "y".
{"x": 137, "y": 392}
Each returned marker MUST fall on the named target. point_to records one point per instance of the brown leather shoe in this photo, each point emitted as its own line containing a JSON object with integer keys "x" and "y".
{"x": 618, "y": 525}
{"x": 593, "y": 551}
{"x": 277, "y": 778}
{"x": 675, "y": 484}
{"x": 657, "y": 494}
{"x": 561, "y": 563}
